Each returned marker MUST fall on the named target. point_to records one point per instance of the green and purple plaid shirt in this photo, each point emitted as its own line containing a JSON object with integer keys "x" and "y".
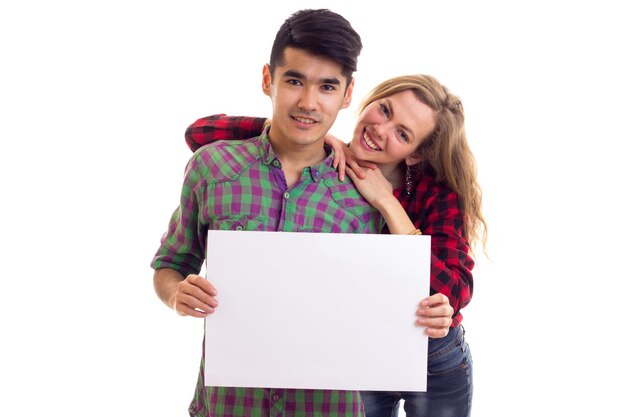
{"x": 239, "y": 185}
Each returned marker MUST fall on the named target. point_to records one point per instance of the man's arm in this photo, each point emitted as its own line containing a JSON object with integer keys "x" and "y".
{"x": 221, "y": 127}
{"x": 181, "y": 252}
{"x": 191, "y": 296}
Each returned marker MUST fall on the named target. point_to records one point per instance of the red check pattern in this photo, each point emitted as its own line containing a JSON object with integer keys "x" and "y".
{"x": 432, "y": 206}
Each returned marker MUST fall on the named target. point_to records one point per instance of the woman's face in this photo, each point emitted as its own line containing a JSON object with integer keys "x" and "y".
{"x": 390, "y": 129}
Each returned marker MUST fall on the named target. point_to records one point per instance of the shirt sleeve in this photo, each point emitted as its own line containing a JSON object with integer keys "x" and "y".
{"x": 451, "y": 264}
{"x": 222, "y": 127}
{"x": 183, "y": 245}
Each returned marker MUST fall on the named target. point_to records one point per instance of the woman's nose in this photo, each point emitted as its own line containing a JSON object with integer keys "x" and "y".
{"x": 380, "y": 131}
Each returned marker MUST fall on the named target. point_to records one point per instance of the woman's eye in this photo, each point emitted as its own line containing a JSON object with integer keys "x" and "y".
{"x": 384, "y": 109}
{"x": 403, "y": 136}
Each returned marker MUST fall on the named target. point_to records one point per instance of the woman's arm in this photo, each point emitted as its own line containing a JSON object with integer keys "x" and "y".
{"x": 434, "y": 312}
{"x": 344, "y": 157}
{"x": 436, "y": 211}
{"x": 375, "y": 188}
{"x": 222, "y": 127}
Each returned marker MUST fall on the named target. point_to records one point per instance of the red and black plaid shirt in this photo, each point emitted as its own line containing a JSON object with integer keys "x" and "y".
{"x": 432, "y": 206}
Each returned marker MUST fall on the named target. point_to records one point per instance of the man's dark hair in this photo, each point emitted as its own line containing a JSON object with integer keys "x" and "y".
{"x": 319, "y": 32}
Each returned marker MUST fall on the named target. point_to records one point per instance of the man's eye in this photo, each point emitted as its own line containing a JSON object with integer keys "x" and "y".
{"x": 328, "y": 87}
{"x": 294, "y": 82}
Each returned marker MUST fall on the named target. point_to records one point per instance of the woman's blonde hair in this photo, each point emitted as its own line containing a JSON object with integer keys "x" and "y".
{"x": 445, "y": 151}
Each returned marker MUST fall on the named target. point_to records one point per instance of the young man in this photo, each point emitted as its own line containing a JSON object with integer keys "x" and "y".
{"x": 282, "y": 180}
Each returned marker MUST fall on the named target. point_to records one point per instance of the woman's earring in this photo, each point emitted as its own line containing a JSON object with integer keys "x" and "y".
{"x": 408, "y": 180}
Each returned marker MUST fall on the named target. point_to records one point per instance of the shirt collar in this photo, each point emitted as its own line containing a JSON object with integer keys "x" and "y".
{"x": 265, "y": 148}
{"x": 319, "y": 171}
{"x": 325, "y": 168}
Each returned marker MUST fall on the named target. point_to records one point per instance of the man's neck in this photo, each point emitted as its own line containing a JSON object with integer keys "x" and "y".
{"x": 295, "y": 158}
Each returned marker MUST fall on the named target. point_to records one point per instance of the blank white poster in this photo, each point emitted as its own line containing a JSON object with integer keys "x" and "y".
{"x": 317, "y": 310}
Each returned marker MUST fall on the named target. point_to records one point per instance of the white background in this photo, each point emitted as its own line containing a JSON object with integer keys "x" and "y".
{"x": 95, "y": 98}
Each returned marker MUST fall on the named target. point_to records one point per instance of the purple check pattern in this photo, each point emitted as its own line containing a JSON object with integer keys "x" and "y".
{"x": 239, "y": 185}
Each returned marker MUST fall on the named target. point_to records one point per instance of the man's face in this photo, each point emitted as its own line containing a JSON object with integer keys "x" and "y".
{"x": 307, "y": 93}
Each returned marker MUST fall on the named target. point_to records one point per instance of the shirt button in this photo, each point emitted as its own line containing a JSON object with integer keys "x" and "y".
{"x": 276, "y": 163}
{"x": 286, "y": 195}
{"x": 275, "y": 397}
{"x": 239, "y": 227}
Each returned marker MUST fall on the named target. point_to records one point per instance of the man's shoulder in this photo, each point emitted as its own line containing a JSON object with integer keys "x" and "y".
{"x": 346, "y": 194}
{"x": 230, "y": 145}
{"x": 226, "y": 159}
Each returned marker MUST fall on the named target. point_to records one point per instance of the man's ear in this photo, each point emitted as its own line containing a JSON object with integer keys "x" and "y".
{"x": 347, "y": 98}
{"x": 267, "y": 80}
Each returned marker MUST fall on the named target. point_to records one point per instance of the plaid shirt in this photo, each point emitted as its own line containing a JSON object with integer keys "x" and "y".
{"x": 239, "y": 185}
{"x": 431, "y": 205}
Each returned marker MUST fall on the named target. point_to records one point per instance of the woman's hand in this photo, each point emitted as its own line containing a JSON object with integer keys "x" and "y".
{"x": 435, "y": 313}
{"x": 343, "y": 157}
{"x": 373, "y": 186}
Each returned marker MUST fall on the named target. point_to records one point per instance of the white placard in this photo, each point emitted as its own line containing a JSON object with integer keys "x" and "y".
{"x": 317, "y": 310}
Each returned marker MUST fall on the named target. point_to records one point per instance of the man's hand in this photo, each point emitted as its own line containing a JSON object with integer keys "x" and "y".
{"x": 192, "y": 296}
{"x": 435, "y": 313}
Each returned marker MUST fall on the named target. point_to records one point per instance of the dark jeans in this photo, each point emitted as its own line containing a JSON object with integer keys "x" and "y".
{"x": 449, "y": 384}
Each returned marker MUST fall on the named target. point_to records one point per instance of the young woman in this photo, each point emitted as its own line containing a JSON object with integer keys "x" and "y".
{"x": 409, "y": 157}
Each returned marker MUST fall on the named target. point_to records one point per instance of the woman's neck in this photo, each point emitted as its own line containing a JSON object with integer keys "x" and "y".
{"x": 394, "y": 174}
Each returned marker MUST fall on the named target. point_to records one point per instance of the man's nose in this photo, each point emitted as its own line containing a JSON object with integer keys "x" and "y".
{"x": 308, "y": 99}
